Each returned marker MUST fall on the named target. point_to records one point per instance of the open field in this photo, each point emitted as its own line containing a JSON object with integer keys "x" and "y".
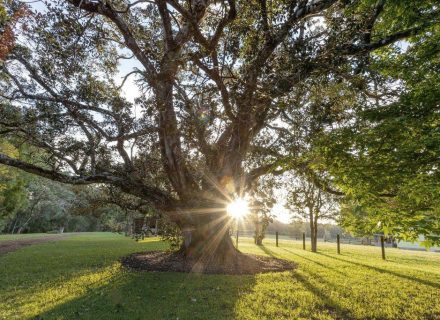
{"x": 80, "y": 278}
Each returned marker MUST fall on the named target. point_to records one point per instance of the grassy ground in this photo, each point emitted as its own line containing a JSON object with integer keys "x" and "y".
{"x": 80, "y": 278}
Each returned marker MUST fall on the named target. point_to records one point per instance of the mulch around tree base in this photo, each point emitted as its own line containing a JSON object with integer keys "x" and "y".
{"x": 176, "y": 262}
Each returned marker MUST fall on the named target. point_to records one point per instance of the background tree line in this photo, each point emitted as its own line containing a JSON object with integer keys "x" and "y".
{"x": 29, "y": 203}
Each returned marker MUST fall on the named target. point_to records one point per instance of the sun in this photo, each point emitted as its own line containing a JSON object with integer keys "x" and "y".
{"x": 238, "y": 208}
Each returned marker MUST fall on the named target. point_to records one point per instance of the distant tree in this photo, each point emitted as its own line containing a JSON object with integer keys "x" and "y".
{"x": 219, "y": 82}
{"x": 111, "y": 204}
{"x": 48, "y": 207}
{"x": 262, "y": 200}
{"x": 261, "y": 218}
{"x": 308, "y": 201}
{"x": 13, "y": 194}
{"x": 298, "y": 228}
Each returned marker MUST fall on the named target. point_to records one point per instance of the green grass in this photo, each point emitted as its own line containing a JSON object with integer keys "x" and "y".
{"x": 81, "y": 278}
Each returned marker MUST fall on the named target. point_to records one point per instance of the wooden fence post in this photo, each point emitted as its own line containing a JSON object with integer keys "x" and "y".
{"x": 276, "y": 238}
{"x": 382, "y": 244}
{"x": 304, "y": 241}
{"x": 338, "y": 240}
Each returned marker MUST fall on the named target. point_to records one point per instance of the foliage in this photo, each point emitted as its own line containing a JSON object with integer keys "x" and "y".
{"x": 387, "y": 159}
{"x": 10, "y": 16}
{"x": 80, "y": 277}
{"x": 12, "y": 186}
{"x": 305, "y": 199}
{"x": 32, "y": 204}
{"x": 170, "y": 233}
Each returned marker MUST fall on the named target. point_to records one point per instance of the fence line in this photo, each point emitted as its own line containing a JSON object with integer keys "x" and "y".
{"x": 344, "y": 239}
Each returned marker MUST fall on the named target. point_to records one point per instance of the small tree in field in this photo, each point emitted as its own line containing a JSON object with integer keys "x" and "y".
{"x": 220, "y": 85}
{"x": 308, "y": 201}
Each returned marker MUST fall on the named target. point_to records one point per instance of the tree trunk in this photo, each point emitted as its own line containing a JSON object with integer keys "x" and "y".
{"x": 313, "y": 229}
{"x": 315, "y": 238}
{"x": 13, "y": 226}
{"x": 207, "y": 241}
{"x": 168, "y": 135}
{"x": 258, "y": 233}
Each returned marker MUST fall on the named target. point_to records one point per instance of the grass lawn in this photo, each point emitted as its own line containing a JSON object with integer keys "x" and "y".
{"x": 80, "y": 278}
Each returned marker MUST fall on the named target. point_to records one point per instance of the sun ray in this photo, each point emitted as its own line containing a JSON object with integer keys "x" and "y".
{"x": 212, "y": 245}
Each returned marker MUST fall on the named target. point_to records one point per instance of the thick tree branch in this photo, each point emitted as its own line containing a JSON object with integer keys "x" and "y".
{"x": 155, "y": 196}
{"x": 385, "y": 41}
{"x": 56, "y": 176}
{"x": 215, "y": 76}
{"x": 105, "y": 9}
{"x": 296, "y": 13}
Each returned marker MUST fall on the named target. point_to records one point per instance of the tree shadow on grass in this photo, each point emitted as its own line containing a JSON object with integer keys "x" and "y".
{"x": 273, "y": 254}
{"x": 158, "y": 295}
{"x": 382, "y": 270}
{"x": 267, "y": 251}
{"x": 315, "y": 262}
{"x": 329, "y": 304}
{"x": 335, "y": 309}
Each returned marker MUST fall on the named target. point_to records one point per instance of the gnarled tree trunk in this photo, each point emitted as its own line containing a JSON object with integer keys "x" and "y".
{"x": 205, "y": 242}
{"x": 206, "y": 236}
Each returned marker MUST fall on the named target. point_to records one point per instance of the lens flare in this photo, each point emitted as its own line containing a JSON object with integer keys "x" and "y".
{"x": 238, "y": 208}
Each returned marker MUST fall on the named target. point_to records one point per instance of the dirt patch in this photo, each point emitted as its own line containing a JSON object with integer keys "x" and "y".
{"x": 175, "y": 262}
{"x": 12, "y": 245}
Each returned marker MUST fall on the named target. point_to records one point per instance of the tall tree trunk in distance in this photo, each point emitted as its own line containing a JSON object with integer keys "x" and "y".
{"x": 258, "y": 233}
{"x": 315, "y": 244}
{"x": 313, "y": 229}
{"x": 12, "y": 228}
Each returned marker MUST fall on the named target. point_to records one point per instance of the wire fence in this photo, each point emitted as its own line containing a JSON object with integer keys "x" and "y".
{"x": 343, "y": 239}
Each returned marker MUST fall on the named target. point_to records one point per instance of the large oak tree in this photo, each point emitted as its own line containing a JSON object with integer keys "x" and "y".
{"x": 219, "y": 85}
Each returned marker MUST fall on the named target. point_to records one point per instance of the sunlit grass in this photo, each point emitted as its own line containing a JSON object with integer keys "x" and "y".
{"x": 81, "y": 278}
{"x": 357, "y": 284}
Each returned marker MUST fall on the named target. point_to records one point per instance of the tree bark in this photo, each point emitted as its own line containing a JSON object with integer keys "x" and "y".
{"x": 258, "y": 235}
{"x": 206, "y": 239}
{"x": 315, "y": 238}
{"x": 313, "y": 229}
{"x": 12, "y": 229}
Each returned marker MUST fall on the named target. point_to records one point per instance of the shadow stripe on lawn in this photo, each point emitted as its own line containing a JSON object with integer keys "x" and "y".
{"x": 403, "y": 276}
